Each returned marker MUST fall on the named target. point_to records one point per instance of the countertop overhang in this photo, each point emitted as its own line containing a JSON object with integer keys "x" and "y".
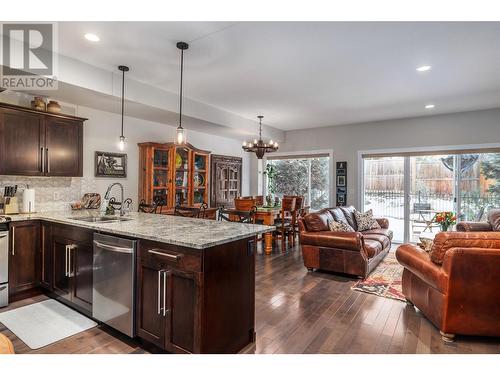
{"x": 173, "y": 230}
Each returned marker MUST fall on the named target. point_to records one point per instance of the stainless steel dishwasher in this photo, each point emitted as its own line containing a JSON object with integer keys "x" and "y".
{"x": 113, "y": 298}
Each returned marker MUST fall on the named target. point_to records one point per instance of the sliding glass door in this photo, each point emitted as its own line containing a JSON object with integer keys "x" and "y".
{"x": 411, "y": 189}
{"x": 432, "y": 190}
{"x": 384, "y": 191}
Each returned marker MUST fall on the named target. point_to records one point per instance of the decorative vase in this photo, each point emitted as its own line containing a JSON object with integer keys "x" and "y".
{"x": 38, "y": 103}
{"x": 53, "y": 107}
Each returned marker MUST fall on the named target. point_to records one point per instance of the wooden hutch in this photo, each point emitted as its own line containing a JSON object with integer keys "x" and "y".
{"x": 173, "y": 174}
{"x": 225, "y": 180}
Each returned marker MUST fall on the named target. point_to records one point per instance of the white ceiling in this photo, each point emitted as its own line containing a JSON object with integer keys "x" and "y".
{"x": 306, "y": 74}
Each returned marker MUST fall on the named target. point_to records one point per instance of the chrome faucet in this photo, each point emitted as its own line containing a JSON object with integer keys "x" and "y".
{"x": 106, "y": 196}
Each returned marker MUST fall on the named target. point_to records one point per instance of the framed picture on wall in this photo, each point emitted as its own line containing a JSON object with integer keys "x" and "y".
{"x": 108, "y": 164}
{"x": 340, "y": 180}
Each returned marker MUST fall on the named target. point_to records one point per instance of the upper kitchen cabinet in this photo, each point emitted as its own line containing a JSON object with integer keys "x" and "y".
{"x": 63, "y": 147}
{"x": 34, "y": 143}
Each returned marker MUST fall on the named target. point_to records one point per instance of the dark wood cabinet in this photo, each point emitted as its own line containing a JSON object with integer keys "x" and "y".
{"x": 168, "y": 305}
{"x": 63, "y": 147}
{"x": 21, "y": 143}
{"x": 60, "y": 257}
{"x": 34, "y": 143}
{"x": 151, "y": 324}
{"x": 23, "y": 256}
{"x": 183, "y": 304}
{"x": 225, "y": 180}
{"x": 72, "y": 263}
{"x": 46, "y": 271}
{"x": 196, "y": 301}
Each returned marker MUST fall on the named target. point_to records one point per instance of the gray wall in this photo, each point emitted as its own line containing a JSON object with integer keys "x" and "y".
{"x": 478, "y": 127}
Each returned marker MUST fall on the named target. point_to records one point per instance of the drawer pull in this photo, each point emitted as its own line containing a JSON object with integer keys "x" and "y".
{"x": 176, "y": 257}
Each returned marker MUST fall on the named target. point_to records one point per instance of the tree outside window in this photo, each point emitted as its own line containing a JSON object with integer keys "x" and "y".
{"x": 308, "y": 177}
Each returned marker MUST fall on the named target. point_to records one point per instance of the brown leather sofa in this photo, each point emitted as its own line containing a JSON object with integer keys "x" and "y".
{"x": 491, "y": 225}
{"x": 354, "y": 253}
{"x": 456, "y": 286}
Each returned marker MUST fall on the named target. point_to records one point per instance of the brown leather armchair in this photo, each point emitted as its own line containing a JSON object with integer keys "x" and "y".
{"x": 354, "y": 253}
{"x": 456, "y": 285}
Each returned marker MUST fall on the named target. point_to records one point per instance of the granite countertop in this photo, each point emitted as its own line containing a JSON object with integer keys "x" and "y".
{"x": 174, "y": 230}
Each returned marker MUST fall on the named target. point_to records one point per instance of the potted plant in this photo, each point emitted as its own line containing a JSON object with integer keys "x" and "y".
{"x": 445, "y": 220}
{"x": 270, "y": 173}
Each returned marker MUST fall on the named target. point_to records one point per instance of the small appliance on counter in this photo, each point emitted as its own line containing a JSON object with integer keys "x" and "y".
{"x": 28, "y": 200}
{"x": 9, "y": 200}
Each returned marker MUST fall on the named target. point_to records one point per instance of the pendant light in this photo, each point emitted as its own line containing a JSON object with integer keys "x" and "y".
{"x": 259, "y": 147}
{"x": 180, "y": 137}
{"x": 123, "y": 68}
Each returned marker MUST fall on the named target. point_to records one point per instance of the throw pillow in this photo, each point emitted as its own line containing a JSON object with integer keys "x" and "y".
{"x": 366, "y": 221}
{"x": 426, "y": 244}
{"x": 338, "y": 226}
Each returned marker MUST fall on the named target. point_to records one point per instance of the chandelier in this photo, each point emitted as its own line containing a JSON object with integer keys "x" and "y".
{"x": 259, "y": 146}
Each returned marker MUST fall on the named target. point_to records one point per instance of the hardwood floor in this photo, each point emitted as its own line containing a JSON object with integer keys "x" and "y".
{"x": 302, "y": 312}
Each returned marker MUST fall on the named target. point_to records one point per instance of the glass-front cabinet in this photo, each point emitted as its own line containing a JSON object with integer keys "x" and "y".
{"x": 173, "y": 175}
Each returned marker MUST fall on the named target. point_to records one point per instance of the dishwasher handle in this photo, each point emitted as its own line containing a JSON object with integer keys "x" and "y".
{"x": 116, "y": 249}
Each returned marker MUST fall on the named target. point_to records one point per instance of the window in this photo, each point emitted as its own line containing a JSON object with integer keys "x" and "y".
{"x": 306, "y": 176}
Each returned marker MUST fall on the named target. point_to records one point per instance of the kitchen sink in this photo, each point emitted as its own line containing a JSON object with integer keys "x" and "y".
{"x": 100, "y": 219}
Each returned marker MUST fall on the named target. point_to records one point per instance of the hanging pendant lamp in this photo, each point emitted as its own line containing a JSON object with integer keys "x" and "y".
{"x": 259, "y": 146}
{"x": 180, "y": 137}
{"x": 121, "y": 143}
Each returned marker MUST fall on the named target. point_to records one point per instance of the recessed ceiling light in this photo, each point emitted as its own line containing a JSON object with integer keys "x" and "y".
{"x": 429, "y": 106}
{"x": 424, "y": 68}
{"x": 92, "y": 37}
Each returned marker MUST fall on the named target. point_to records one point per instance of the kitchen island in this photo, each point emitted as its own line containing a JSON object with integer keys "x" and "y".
{"x": 194, "y": 279}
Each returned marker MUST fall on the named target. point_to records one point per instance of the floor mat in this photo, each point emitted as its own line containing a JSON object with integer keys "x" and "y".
{"x": 45, "y": 323}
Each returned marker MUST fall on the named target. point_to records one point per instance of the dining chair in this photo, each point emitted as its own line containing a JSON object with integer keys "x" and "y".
{"x": 286, "y": 222}
{"x": 259, "y": 200}
{"x": 147, "y": 208}
{"x": 244, "y": 204}
{"x": 301, "y": 210}
{"x": 197, "y": 211}
{"x": 117, "y": 205}
{"x": 239, "y": 216}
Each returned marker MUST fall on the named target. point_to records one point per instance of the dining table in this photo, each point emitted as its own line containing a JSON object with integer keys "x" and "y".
{"x": 267, "y": 215}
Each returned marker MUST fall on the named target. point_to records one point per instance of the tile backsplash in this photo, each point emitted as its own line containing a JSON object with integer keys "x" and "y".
{"x": 51, "y": 193}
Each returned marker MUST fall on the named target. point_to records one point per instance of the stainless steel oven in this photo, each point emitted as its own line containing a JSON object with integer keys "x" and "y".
{"x": 4, "y": 265}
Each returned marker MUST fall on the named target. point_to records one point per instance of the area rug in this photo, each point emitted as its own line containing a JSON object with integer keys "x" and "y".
{"x": 44, "y": 323}
{"x": 385, "y": 279}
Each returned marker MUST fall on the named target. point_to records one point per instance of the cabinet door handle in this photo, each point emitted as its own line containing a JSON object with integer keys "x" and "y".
{"x": 43, "y": 253}
{"x": 66, "y": 262}
{"x": 13, "y": 240}
{"x": 159, "y": 291}
{"x": 69, "y": 260}
{"x": 42, "y": 159}
{"x": 48, "y": 160}
{"x": 165, "y": 273}
{"x": 171, "y": 256}
{"x": 71, "y": 271}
